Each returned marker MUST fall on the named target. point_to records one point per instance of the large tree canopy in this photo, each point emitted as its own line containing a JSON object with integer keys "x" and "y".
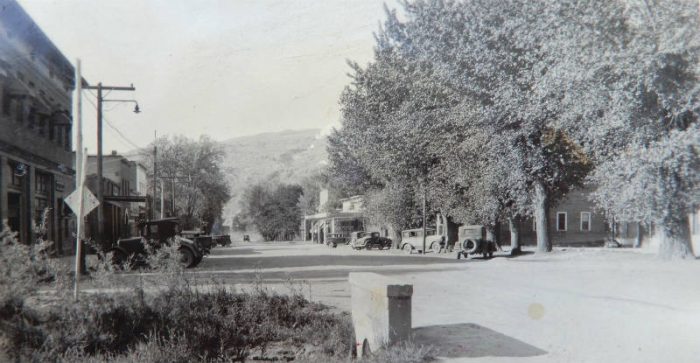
{"x": 192, "y": 170}
{"x": 499, "y": 108}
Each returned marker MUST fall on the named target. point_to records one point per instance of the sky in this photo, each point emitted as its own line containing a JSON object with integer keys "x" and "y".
{"x": 225, "y": 68}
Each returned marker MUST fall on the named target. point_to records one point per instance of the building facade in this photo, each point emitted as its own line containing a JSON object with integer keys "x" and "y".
{"x": 572, "y": 221}
{"x": 36, "y": 157}
{"x": 122, "y": 180}
{"x": 338, "y": 223}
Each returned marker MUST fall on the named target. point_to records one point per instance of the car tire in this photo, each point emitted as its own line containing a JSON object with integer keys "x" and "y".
{"x": 187, "y": 258}
{"x": 470, "y": 246}
{"x": 435, "y": 247}
{"x": 407, "y": 248}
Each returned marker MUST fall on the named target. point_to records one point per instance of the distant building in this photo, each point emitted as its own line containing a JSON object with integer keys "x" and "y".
{"x": 36, "y": 158}
{"x": 338, "y": 223}
{"x": 572, "y": 221}
{"x": 121, "y": 178}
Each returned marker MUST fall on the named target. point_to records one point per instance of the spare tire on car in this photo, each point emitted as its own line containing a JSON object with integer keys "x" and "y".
{"x": 470, "y": 245}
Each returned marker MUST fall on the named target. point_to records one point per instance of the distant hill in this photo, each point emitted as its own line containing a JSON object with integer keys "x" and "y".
{"x": 285, "y": 157}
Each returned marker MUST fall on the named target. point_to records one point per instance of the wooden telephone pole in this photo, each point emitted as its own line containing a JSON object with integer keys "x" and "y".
{"x": 100, "y": 184}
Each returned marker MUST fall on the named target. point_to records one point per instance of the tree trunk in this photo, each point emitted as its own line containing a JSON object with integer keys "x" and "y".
{"x": 397, "y": 237}
{"x": 541, "y": 207}
{"x": 675, "y": 237}
{"x": 492, "y": 234}
{"x": 514, "y": 237}
{"x": 638, "y": 237}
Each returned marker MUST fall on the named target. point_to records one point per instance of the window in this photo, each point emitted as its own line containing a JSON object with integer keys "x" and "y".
{"x": 6, "y": 101}
{"x": 534, "y": 224}
{"x": 561, "y": 221}
{"x": 585, "y": 221}
{"x": 42, "y": 183}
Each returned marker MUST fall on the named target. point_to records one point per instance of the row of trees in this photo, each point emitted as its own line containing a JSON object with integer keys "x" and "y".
{"x": 191, "y": 178}
{"x": 493, "y": 110}
{"x": 274, "y": 210}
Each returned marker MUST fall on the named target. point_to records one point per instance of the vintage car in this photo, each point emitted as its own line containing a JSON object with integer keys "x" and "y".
{"x": 472, "y": 241}
{"x": 369, "y": 240}
{"x": 203, "y": 241}
{"x": 222, "y": 240}
{"x": 412, "y": 239}
{"x": 334, "y": 239}
{"x": 154, "y": 234}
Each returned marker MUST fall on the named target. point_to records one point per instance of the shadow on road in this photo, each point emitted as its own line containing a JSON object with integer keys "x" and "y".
{"x": 237, "y": 263}
{"x": 235, "y": 252}
{"x": 341, "y": 275}
{"x": 472, "y": 341}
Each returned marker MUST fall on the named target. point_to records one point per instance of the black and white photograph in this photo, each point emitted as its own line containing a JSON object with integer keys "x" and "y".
{"x": 340, "y": 181}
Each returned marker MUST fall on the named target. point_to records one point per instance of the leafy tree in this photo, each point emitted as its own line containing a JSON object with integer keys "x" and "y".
{"x": 632, "y": 98}
{"x": 193, "y": 169}
{"x": 486, "y": 58}
{"x": 273, "y": 210}
{"x": 395, "y": 205}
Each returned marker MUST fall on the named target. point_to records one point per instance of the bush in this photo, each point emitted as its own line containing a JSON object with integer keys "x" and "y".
{"x": 198, "y": 326}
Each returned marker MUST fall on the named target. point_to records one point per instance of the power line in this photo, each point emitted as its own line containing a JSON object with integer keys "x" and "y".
{"x": 113, "y": 127}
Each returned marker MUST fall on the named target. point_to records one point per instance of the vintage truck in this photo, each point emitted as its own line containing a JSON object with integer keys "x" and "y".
{"x": 472, "y": 241}
{"x": 152, "y": 235}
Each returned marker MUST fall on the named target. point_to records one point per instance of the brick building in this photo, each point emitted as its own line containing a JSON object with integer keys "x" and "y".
{"x": 36, "y": 158}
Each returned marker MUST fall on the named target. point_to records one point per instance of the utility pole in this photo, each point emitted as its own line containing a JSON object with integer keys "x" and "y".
{"x": 172, "y": 198}
{"x": 162, "y": 200}
{"x": 78, "y": 116}
{"x": 100, "y": 183}
{"x": 155, "y": 174}
{"x": 424, "y": 217}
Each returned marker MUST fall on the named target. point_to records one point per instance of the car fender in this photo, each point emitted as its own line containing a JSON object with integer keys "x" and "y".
{"x": 186, "y": 243}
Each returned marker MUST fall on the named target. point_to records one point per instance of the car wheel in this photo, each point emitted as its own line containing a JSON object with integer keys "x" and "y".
{"x": 407, "y": 248}
{"x": 118, "y": 259}
{"x": 435, "y": 246}
{"x": 368, "y": 246}
{"x": 470, "y": 246}
{"x": 187, "y": 258}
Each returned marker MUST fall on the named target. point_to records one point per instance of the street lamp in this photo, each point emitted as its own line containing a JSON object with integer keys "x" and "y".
{"x": 136, "y": 106}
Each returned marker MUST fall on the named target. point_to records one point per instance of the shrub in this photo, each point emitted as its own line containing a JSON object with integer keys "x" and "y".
{"x": 198, "y": 326}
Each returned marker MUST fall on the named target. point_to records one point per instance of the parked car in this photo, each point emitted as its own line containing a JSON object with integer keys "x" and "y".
{"x": 334, "y": 239}
{"x": 412, "y": 239}
{"x": 204, "y": 242}
{"x": 153, "y": 235}
{"x": 369, "y": 240}
{"x": 222, "y": 240}
{"x": 472, "y": 241}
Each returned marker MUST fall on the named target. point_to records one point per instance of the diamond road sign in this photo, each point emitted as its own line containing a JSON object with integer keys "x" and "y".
{"x": 90, "y": 201}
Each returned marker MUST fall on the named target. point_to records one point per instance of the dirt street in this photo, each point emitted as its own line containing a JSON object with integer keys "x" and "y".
{"x": 573, "y": 305}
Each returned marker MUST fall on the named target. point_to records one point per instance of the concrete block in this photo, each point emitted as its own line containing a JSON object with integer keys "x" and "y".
{"x": 381, "y": 311}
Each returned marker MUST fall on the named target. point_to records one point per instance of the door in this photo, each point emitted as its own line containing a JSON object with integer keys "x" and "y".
{"x": 14, "y": 212}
